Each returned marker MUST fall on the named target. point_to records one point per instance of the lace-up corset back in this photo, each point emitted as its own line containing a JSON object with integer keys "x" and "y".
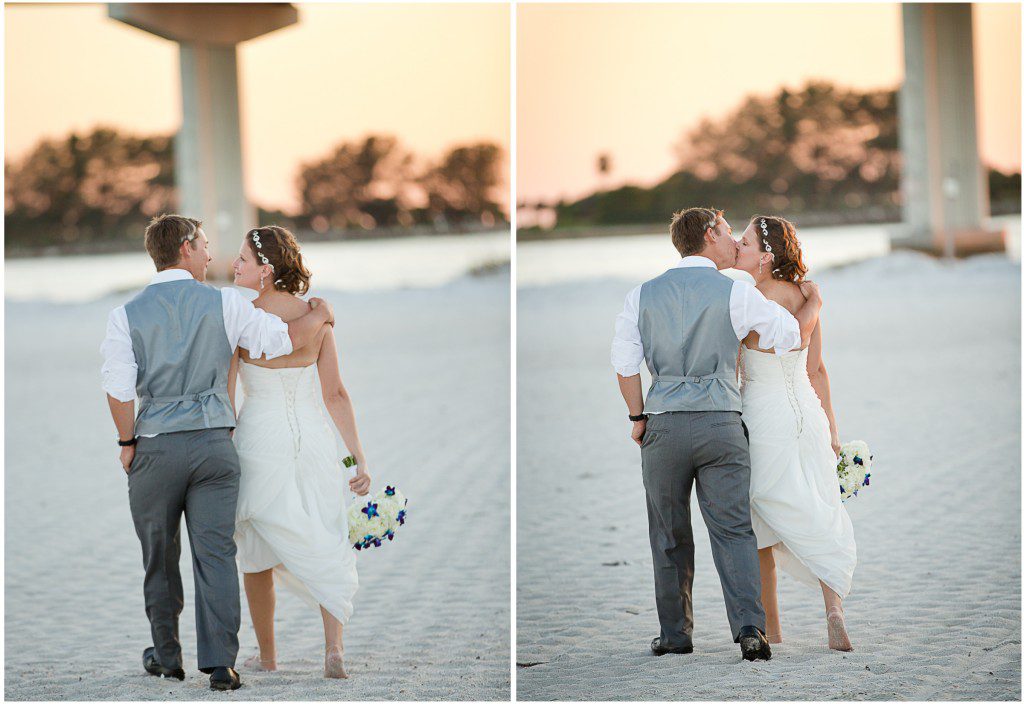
{"x": 765, "y": 373}
{"x": 789, "y": 368}
{"x": 290, "y": 395}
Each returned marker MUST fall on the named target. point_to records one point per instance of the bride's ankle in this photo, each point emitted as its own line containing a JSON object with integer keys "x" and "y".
{"x": 334, "y": 650}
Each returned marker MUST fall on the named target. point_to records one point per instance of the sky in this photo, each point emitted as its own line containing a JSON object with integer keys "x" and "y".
{"x": 434, "y": 75}
{"x": 632, "y": 80}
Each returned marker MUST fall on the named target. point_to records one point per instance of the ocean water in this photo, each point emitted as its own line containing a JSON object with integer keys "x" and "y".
{"x": 361, "y": 265}
{"x": 641, "y": 257}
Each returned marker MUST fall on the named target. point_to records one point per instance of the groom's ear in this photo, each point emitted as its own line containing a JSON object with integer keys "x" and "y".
{"x": 184, "y": 251}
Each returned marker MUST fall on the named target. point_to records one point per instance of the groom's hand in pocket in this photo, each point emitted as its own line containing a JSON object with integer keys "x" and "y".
{"x": 639, "y": 428}
{"x": 127, "y": 455}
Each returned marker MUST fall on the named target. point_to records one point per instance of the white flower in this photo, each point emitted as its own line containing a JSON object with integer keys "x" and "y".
{"x": 850, "y": 472}
{"x": 364, "y": 529}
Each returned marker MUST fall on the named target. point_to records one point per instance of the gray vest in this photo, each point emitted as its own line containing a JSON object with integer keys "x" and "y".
{"x": 689, "y": 342}
{"x": 182, "y": 350}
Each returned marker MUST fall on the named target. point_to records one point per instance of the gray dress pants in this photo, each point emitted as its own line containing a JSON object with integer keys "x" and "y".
{"x": 194, "y": 473}
{"x": 708, "y": 448}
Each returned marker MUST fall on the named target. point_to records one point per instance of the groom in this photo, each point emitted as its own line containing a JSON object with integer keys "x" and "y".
{"x": 171, "y": 346}
{"x": 686, "y": 325}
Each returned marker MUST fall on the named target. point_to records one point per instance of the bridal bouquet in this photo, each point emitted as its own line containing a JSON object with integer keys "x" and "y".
{"x": 854, "y": 468}
{"x": 371, "y": 521}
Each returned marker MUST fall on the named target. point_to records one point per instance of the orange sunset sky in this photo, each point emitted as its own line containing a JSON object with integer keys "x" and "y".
{"x": 434, "y": 75}
{"x": 630, "y": 80}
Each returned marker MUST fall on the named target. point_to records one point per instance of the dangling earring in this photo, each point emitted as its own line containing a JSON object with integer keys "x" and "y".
{"x": 261, "y": 281}
{"x": 760, "y": 265}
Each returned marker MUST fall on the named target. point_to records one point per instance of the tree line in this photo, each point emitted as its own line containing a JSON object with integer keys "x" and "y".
{"x": 103, "y": 186}
{"x": 825, "y": 153}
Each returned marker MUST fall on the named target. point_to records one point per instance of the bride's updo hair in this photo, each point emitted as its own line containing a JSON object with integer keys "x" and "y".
{"x": 282, "y": 251}
{"x": 788, "y": 264}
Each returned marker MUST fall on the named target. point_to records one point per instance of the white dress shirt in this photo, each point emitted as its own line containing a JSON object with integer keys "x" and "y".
{"x": 748, "y": 308}
{"x": 260, "y": 332}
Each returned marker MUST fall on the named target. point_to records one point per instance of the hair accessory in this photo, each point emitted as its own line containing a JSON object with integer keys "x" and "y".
{"x": 764, "y": 236}
{"x": 259, "y": 248}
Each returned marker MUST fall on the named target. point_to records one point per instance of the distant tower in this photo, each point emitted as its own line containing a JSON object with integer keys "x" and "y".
{"x": 944, "y": 187}
{"x": 208, "y": 149}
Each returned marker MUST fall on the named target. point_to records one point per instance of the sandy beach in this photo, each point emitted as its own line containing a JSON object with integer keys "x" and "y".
{"x": 428, "y": 371}
{"x": 924, "y": 359}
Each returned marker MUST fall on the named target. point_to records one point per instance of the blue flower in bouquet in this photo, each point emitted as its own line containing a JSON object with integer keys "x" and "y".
{"x": 371, "y": 524}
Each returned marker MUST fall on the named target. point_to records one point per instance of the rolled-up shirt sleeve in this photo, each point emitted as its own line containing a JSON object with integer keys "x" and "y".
{"x": 256, "y": 330}
{"x": 627, "y": 348}
{"x": 120, "y": 370}
{"x": 751, "y": 311}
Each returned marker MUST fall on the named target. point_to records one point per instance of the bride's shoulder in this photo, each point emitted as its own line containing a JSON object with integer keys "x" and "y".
{"x": 786, "y": 293}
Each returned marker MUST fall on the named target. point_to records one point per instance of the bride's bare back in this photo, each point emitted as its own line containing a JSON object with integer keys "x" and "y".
{"x": 787, "y": 295}
{"x": 288, "y": 308}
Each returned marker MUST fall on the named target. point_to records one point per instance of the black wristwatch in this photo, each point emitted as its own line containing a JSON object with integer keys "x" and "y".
{"x": 642, "y": 416}
{"x": 127, "y": 443}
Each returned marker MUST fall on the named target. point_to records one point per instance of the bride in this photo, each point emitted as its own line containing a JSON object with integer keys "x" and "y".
{"x": 796, "y": 512}
{"x": 291, "y": 521}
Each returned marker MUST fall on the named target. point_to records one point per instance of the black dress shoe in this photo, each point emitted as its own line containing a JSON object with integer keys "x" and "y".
{"x": 658, "y": 649}
{"x": 224, "y": 678}
{"x": 753, "y": 644}
{"x": 154, "y": 667}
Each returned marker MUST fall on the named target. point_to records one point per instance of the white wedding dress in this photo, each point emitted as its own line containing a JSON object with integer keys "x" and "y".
{"x": 794, "y": 490}
{"x": 291, "y": 498}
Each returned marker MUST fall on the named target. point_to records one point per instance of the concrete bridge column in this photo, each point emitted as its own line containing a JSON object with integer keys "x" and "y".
{"x": 944, "y": 187}
{"x": 208, "y": 149}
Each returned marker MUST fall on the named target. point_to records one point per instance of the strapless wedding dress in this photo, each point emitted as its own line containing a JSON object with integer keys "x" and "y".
{"x": 291, "y": 512}
{"x": 794, "y": 490}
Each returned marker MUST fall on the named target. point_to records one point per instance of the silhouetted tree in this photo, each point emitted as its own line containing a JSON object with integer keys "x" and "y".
{"x": 819, "y": 149}
{"x": 102, "y": 185}
{"x": 360, "y": 184}
{"x": 463, "y": 187}
{"x": 1004, "y": 192}
{"x": 814, "y": 149}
